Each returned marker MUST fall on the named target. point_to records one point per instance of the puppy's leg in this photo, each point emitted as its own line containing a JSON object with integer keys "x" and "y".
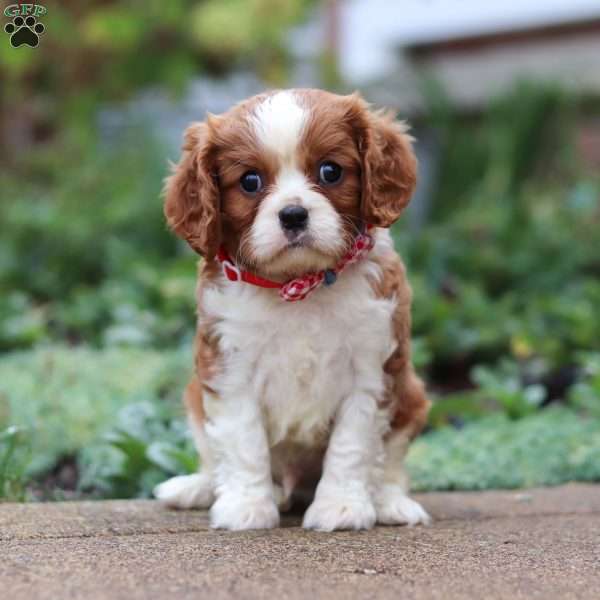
{"x": 343, "y": 496}
{"x": 242, "y": 466}
{"x": 392, "y": 503}
{"x": 192, "y": 491}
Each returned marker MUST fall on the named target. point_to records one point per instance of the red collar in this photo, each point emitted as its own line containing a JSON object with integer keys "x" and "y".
{"x": 300, "y": 287}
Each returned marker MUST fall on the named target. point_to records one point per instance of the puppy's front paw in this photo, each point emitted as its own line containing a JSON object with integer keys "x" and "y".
{"x": 332, "y": 512}
{"x": 394, "y": 507}
{"x": 236, "y": 512}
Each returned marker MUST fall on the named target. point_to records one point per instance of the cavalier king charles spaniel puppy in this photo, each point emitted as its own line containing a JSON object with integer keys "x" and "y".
{"x": 303, "y": 379}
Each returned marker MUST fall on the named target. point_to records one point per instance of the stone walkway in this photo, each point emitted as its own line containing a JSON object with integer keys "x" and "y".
{"x": 512, "y": 545}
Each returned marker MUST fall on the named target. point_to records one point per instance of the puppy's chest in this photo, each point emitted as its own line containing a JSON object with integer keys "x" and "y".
{"x": 300, "y": 361}
{"x": 302, "y": 370}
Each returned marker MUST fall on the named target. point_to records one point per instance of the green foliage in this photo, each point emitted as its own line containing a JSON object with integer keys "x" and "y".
{"x": 65, "y": 398}
{"x": 490, "y": 158}
{"x": 549, "y": 447}
{"x": 93, "y": 259}
{"x": 104, "y": 50}
{"x": 505, "y": 385}
{"x": 487, "y": 283}
{"x": 586, "y": 393}
{"x": 508, "y": 264}
{"x": 146, "y": 445}
{"x": 13, "y": 459}
{"x": 117, "y": 411}
{"x": 545, "y": 448}
{"x": 503, "y": 388}
{"x": 22, "y": 323}
{"x": 248, "y": 31}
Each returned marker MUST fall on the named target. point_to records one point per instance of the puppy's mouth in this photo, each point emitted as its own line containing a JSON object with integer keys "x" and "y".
{"x": 302, "y": 239}
{"x": 299, "y": 255}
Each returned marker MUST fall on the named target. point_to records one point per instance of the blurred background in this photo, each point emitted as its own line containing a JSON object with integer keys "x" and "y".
{"x": 502, "y": 240}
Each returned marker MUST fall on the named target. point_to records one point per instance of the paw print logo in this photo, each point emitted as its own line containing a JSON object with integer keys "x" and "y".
{"x": 24, "y": 31}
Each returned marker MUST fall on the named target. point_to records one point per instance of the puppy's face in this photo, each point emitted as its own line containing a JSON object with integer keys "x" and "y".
{"x": 285, "y": 180}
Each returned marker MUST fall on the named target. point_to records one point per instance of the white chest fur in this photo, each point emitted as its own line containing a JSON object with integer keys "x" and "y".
{"x": 300, "y": 360}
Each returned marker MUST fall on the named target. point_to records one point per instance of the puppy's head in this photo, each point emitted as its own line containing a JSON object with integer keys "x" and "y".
{"x": 285, "y": 180}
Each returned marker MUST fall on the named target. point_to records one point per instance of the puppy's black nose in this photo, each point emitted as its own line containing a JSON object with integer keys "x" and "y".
{"x": 293, "y": 217}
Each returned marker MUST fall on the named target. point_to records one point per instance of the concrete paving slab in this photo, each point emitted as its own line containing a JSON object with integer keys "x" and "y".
{"x": 531, "y": 544}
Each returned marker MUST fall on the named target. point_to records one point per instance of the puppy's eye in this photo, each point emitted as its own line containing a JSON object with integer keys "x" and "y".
{"x": 329, "y": 172}
{"x": 251, "y": 182}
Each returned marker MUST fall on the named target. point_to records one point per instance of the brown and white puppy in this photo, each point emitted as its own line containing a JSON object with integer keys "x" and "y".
{"x": 288, "y": 394}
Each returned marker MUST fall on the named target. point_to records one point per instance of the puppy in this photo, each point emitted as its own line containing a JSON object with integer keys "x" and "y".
{"x": 303, "y": 373}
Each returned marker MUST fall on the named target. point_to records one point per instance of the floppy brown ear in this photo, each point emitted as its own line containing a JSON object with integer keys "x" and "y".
{"x": 192, "y": 205}
{"x": 389, "y": 165}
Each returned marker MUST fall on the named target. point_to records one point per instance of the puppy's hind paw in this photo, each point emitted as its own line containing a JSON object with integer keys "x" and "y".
{"x": 394, "y": 507}
{"x": 186, "y": 491}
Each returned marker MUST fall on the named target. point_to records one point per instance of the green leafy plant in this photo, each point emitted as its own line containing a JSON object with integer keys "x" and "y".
{"x": 500, "y": 387}
{"x": 549, "y": 447}
{"x": 67, "y": 397}
{"x": 585, "y": 394}
{"x": 146, "y": 446}
{"x": 505, "y": 386}
{"x": 14, "y": 455}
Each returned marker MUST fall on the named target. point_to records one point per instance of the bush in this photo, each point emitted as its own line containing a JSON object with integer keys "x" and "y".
{"x": 550, "y": 447}
{"x": 585, "y": 394}
{"x": 116, "y": 415}
{"x": 546, "y": 448}
{"x": 483, "y": 287}
{"x": 146, "y": 446}
{"x": 63, "y": 399}
{"x": 93, "y": 261}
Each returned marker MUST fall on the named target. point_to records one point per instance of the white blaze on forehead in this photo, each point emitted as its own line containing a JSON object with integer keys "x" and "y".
{"x": 278, "y": 122}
